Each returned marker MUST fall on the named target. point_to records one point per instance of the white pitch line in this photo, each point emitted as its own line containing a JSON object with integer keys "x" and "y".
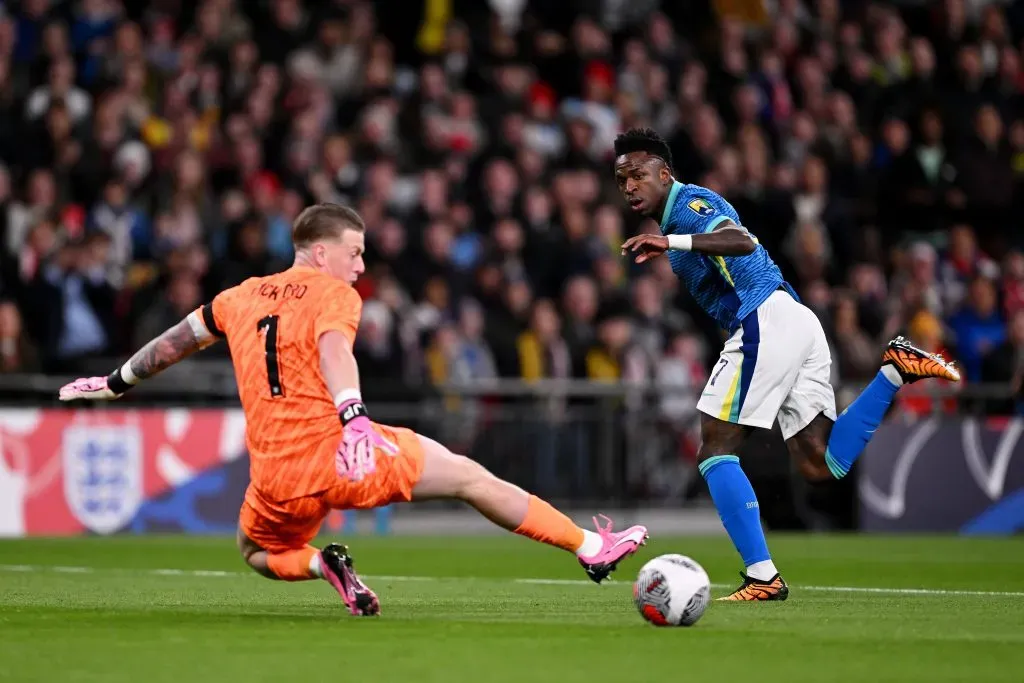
{"x": 912, "y": 591}
{"x": 386, "y": 577}
{"x": 820, "y": 589}
{"x": 168, "y": 572}
{"x": 27, "y": 568}
{"x": 558, "y": 582}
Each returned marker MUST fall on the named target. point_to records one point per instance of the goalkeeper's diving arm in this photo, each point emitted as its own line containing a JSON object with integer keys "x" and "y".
{"x": 175, "y": 344}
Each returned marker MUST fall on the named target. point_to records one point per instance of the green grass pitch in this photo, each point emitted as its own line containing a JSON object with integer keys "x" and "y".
{"x": 185, "y": 610}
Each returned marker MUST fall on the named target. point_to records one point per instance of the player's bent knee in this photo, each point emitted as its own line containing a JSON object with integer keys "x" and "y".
{"x": 814, "y": 471}
{"x": 812, "y": 465}
{"x": 808, "y": 447}
{"x": 258, "y": 563}
{"x": 246, "y": 545}
{"x": 254, "y": 556}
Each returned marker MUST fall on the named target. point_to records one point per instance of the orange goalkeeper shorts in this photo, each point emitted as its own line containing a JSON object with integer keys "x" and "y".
{"x": 277, "y": 526}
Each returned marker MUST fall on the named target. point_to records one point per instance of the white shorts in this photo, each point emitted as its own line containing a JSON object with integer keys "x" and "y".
{"x": 777, "y": 364}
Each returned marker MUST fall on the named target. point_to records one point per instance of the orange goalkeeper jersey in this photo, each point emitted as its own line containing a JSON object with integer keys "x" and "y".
{"x": 272, "y": 325}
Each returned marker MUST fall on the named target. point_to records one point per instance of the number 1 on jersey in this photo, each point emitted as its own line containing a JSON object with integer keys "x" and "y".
{"x": 268, "y": 328}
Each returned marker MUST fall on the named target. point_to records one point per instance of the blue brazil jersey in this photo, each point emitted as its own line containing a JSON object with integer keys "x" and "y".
{"x": 729, "y": 288}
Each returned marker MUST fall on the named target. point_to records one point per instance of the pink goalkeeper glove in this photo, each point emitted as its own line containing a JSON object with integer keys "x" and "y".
{"x": 355, "y": 458}
{"x": 98, "y": 388}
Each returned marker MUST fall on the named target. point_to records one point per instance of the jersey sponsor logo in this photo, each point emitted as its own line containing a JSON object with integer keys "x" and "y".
{"x": 701, "y": 208}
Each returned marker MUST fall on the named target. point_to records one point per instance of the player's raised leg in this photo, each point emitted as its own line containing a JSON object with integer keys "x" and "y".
{"x": 447, "y": 475}
{"x": 823, "y": 450}
{"x": 902, "y": 363}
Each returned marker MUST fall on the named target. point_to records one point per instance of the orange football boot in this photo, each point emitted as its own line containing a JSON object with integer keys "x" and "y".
{"x": 913, "y": 364}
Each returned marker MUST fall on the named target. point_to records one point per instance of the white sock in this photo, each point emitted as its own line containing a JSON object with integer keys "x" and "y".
{"x": 314, "y": 566}
{"x": 762, "y": 571}
{"x": 592, "y": 544}
{"x": 892, "y": 374}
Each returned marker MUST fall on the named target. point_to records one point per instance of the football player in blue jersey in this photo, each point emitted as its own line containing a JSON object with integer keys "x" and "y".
{"x": 776, "y": 361}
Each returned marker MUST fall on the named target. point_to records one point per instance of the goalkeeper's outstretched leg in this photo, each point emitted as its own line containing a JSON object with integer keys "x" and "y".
{"x": 447, "y": 475}
{"x": 274, "y": 536}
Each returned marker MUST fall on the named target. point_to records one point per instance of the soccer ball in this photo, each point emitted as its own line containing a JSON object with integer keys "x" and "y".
{"x": 672, "y": 590}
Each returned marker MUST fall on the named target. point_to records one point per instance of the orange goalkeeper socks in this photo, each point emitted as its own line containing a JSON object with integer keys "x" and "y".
{"x": 546, "y": 524}
{"x": 295, "y": 565}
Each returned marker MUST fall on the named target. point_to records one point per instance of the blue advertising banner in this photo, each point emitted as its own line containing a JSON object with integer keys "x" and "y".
{"x": 952, "y": 475}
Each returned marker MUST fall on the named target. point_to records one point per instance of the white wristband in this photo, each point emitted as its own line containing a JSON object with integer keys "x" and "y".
{"x": 127, "y": 375}
{"x": 347, "y": 395}
{"x": 199, "y": 331}
{"x": 680, "y": 242}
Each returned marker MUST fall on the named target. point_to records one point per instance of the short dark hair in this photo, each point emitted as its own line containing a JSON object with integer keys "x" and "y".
{"x": 324, "y": 221}
{"x": 643, "y": 140}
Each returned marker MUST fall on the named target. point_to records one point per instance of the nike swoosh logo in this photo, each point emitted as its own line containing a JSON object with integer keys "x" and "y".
{"x": 627, "y": 539}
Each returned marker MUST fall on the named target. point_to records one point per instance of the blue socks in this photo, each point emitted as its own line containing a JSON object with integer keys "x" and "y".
{"x": 857, "y": 424}
{"x": 737, "y": 506}
{"x": 734, "y": 496}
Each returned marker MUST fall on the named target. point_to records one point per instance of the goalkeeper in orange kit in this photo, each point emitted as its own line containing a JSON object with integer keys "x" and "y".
{"x": 311, "y": 443}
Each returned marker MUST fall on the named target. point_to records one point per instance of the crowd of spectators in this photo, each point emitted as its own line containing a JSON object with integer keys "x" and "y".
{"x": 155, "y": 153}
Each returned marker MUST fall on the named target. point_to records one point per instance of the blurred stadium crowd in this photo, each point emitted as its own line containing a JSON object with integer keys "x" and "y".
{"x": 155, "y": 153}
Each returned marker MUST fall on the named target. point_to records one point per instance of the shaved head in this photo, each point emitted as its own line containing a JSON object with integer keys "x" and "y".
{"x": 645, "y": 140}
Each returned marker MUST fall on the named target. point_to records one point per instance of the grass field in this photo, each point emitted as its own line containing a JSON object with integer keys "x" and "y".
{"x": 184, "y": 610}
